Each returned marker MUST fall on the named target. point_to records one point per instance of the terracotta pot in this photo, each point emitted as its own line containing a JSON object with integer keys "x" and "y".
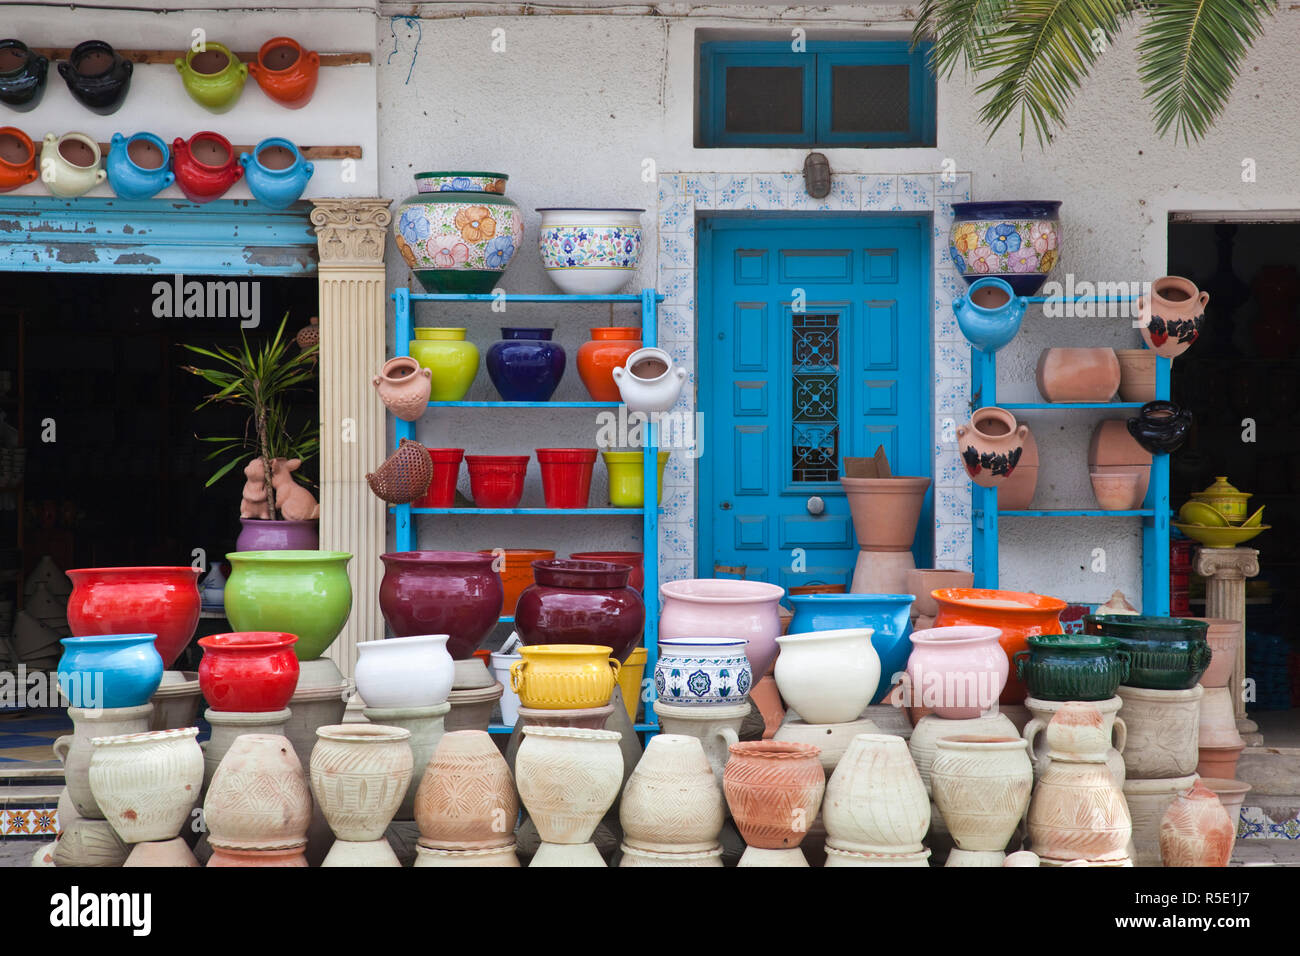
{"x": 828, "y": 676}
{"x": 1219, "y": 761}
{"x": 1112, "y": 450}
{"x": 147, "y": 783}
{"x": 1147, "y": 802}
{"x": 289, "y": 856}
{"x": 466, "y": 799}
{"x": 1078, "y": 375}
{"x": 958, "y": 672}
{"x": 1137, "y": 375}
{"x": 991, "y": 445}
{"x": 921, "y": 581}
{"x": 1171, "y": 317}
{"x": 286, "y": 71}
{"x": 1118, "y": 491}
{"x": 774, "y": 790}
{"x": 1016, "y": 613}
{"x": 1111, "y": 739}
{"x": 1162, "y": 731}
{"x": 359, "y": 775}
{"x": 837, "y": 858}
{"x": 581, "y": 602}
{"x": 248, "y": 671}
{"x": 566, "y": 476}
{"x": 162, "y": 601}
{"x": 1196, "y": 830}
{"x": 17, "y": 159}
{"x": 564, "y": 676}
{"x": 875, "y": 800}
{"x": 1016, "y": 493}
{"x": 1231, "y": 793}
{"x": 427, "y": 726}
{"x": 833, "y": 740}
{"x": 608, "y": 349}
{"x": 885, "y": 510}
{"x": 259, "y": 798}
{"x": 441, "y": 592}
{"x": 633, "y": 559}
{"x": 471, "y": 709}
{"x": 1077, "y": 812}
{"x": 88, "y": 843}
{"x": 724, "y": 607}
{"x": 403, "y": 387}
{"x": 1223, "y": 635}
{"x": 1218, "y": 725}
{"x": 74, "y": 750}
{"x": 672, "y": 803}
{"x": 923, "y": 743}
{"x": 716, "y": 727}
{"x": 227, "y": 728}
{"x": 162, "y": 853}
{"x": 495, "y": 856}
{"x": 568, "y": 778}
{"x": 981, "y": 786}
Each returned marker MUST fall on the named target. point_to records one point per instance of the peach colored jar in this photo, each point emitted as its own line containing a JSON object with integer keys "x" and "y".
{"x": 957, "y": 672}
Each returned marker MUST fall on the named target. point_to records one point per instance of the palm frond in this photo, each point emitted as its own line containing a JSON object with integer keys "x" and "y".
{"x": 959, "y": 30}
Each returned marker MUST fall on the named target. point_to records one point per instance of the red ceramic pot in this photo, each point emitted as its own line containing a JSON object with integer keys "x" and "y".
{"x": 441, "y": 592}
{"x": 566, "y": 476}
{"x": 205, "y": 167}
{"x": 248, "y": 672}
{"x": 446, "y": 472}
{"x": 634, "y": 559}
{"x": 162, "y": 601}
{"x": 581, "y": 602}
{"x": 496, "y": 481}
{"x": 286, "y": 72}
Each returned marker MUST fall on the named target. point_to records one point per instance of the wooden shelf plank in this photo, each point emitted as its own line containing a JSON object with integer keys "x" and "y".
{"x": 308, "y": 152}
{"x": 169, "y": 56}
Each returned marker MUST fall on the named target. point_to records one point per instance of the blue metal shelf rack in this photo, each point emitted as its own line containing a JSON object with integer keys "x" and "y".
{"x": 406, "y": 534}
{"x": 1154, "y": 513}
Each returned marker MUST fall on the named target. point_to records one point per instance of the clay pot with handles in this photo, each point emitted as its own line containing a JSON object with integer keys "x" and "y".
{"x": 990, "y": 445}
{"x": 1172, "y": 315}
{"x": 1113, "y": 739}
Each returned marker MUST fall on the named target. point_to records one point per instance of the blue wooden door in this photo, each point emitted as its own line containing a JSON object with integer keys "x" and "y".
{"x": 814, "y": 346}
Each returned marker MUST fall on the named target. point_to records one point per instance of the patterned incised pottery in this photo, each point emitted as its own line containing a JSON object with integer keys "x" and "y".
{"x": 139, "y": 166}
{"x": 205, "y": 167}
{"x": 989, "y": 315}
{"x": 568, "y": 778}
{"x": 147, "y": 783}
{"x": 466, "y": 799}
{"x": 1171, "y": 317}
{"x": 525, "y": 366}
{"x": 1223, "y": 635}
{"x": 1072, "y": 666}
{"x": 74, "y": 750}
{"x": 1196, "y": 830}
{"x": 1162, "y": 731}
{"x": 71, "y": 164}
{"x": 163, "y": 853}
{"x": 286, "y": 71}
{"x": 608, "y": 349}
{"x": 981, "y": 785}
{"x": 957, "y": 672}
{"x": 307, "y": 593}
{"x": 833, "y": 740}
{"x": 774, "y": 790}
{"x": 1078, "y": 375}
{"x": 990, "y": 445}
{"x": 828, "y": 677}
{"x": 1165, "y": 653}
{"x": 1147, "y": 802}
{"x": 259, "y": 798}
{"x": 581, "y": 602}
{"x": 564, "y": 676}
{"x": 837, "y": 858}
{"x": 672, "y": 803}
{"x": 632, "y": 856}
{"x": 213, "y": 76}
{"x": 716, "y": 727}
{"x": 17, "y": 159}
{"x": 875, "y": 800}
{"x": 162, "y": 601}
{"x": 1111, "y": 740}
{"x": 359, "y": 775}
{"x": 590, "y": 251}
{"x": 22, "y": 76}
{"x": 923, "y": 743}
{"x": 441, "y": 592}
{"x": 403, "y": 387}
{"x": 495, "y": 856}
{"x": 1161, "y": 427}
{"x": 276, "y": 172}
{"x": 97, "y": 76}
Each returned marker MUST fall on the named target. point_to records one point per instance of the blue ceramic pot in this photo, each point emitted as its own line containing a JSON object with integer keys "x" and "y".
{"x": 989, "y": 314}
{"x": 526, "y": 366}
{"x": 275, "y": 172}
{"x": 885, "y": 614}
{"x": 110, "y": 670}
{"x": 139, "y": 166}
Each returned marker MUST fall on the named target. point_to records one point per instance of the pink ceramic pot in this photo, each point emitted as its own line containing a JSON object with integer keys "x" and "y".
{"x": 725, "y": 607}
{"x": 957, "y": 672}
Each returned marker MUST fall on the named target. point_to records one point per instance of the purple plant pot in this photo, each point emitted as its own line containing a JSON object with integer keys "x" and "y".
{"x": 441, "y": 592}
{"x": 259, "y": 534}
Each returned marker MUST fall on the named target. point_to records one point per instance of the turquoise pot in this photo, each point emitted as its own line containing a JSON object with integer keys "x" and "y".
{"x": 885, "y": 614}
{"x": 276, "y": 172}
{"x": 989, "y": 314}
{"x": 109, "y": 670}
{"x": 306, "y": 593}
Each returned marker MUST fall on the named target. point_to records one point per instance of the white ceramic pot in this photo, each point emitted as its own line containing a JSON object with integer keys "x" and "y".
{"x": 259, "y": 798}
{"x": 467, "y": 799}
{"x": 702, "y": 671}
{"x": 501, "y": 664}
{"x": 71, "y": 164}
{"x": 875, "y": 801}
{"x": 404, "y": 671}
{"x": 981, "y": 786}
{"x": 828, "y": 677}
{"x": 672, "y": 803}
{"x": 590, "y": 251}
{"x": 359, "y": 775}
{"x": 928, "y": 730}
{"x": 148, "y": 783}
{"x": 1163, "y": 727}
{"x": 648, "y": 382}
{"x": 568, "y": 778}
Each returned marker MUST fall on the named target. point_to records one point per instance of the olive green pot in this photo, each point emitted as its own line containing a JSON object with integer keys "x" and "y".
{"x": 1165, "y": 653}
{"x": 306, "y": 593}
{"x": 1072, "y": 666}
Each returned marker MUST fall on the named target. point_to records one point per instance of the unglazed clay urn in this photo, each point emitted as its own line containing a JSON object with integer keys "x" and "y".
{"x": 885, "y": 615}
{"x": 875, "y": 800}
{"x": 109, "y": 671}
{"x": 1223, "y": 635}
{"x": 923, "y": 744}
{"x": 1111, "y": 740}
{"x": 956, "y": 672}
{"x": 774, "y": 789}
{"x": 441, "y": 592}
{"x": 71, "y": 164}
{"x": 286, "y": 71}
{"x": 589, "y": 251}
{"x": 162, "y": 601}
{"x": 404, "y": 672}
{"x": 702, "y": 671}
{"x": 1196, "y": 830}
{"x": 248, "y": 671}
{"x": 23, "y": 73}
{"x": 74, "y": 750}
{"x": 259, "y": 798}
{"x": 1163, "y": 730}
{"x": 98, "y": 76}
{"x": 885, "y": 510}
{"x": 403, "y": 387}
{"x": 212, "y": 76}
{"x": 1170, "y": 319}
{"x": 1078, "y": 375}
{"x": 17, "y": 156}
{"x": 1147, "y": 801}
{"x": 466, "y": 799}
{"x": 581, "y": 602}
{"x": 981, "y": 785}
{"x": 459, "y": 232}
{"x": 451, "y": 361}
{"x": 724, "y": 607}
{"x": 1112, "y": 450}
{"x": 991, "y": 445}
{"x": 568, "y": 777}
{"x": 828, "y": 677}
{"x": 609, "y": 348}
{"x": 1165, "y": 653}
{"x": 564, "y": 676}
{"x": 1137, "y": 375}
{"x": 526, "y": 366}
{"x": 307, "y": 593}
{"x": 205, "y": 167}
{"x": 147, "y": 783}
{"x": 1019, "y": 241}
{"x": 359, "y": 775}
{"x": 672, "y": 803}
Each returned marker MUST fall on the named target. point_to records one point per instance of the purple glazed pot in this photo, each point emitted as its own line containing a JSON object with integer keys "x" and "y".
{"x": 581, "y": 602}
{"x": 259, "y": 534}
{"x": 441, "y": 592}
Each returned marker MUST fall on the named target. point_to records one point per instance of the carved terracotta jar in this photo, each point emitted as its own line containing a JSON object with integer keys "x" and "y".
{"x": 875, "y": 800}
{"x": 981, "y": 786}
{"x": 774, "y": 790}
{"x": 467, "y": 799}
{"x": 147, "y": 783}
{"x": 259, "y": 798}
{"x": 568, "y": 777}
{"x": 672, "y": 803}
{"x": 403, "y": 387}
{"x": 1196, "y": 830}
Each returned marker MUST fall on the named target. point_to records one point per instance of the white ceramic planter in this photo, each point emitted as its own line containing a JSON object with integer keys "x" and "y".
{"x": 404, "y": 671}
{"x": 981, "y": 786}
{"x": 65, "y": 178}
{"x": 259, "y": 798}
{"x": 702, "y": 671}
{"x": 875, "y": 801}
{"x": 359, "y": 775}
{"x": 501, "y": 664}
{"x": 828, "y": 677}
{"x": 148, "y": 783}
{"x": 589, "y": 251}
{"x": 568, "y": 778}
{"x": 672, "y": 803}
{"x": 646, "y": 388}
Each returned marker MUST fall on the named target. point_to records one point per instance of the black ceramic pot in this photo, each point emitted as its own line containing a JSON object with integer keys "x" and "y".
{"x": 97, "y": 76}
{"x": 1161, "y": 427}
{"x": 22, "y": 76}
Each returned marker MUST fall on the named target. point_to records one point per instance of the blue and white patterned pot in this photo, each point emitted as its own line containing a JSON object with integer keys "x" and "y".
{"x": 702, "y": 670}
{"x": 590, "y": 251}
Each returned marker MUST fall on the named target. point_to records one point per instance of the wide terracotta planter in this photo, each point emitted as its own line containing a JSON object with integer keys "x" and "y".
{"x": 259, "y": 798}
{"x": 564, "y": 676}
{"x": 1219, "y": 761}
{"x": 1170, "y": 319}
{"x": 515, "y": 565}
{"x": 1072, "y": 666}
{"x": 1112, "y": 450}
{"x": 923, "y": 742}
{"x": 1137, "y": 375}
{"x": 568, "y": 778}
{"x": 981, "y": 785}
{"x": 74, "y": 749}
{"x": 441, "y": 592}
{"x": 1223, "y": 635}
{"x": 875, "y": 800}
{"x": 147, "y": 783}
{"x": 581, "y": 602}
{"x": 956, "y": 672}
{"x": 307, "y": 593}
{"x": 1078, "y": 375}
{"x": 163, "y": 601}
{"x": 672, "y": 803}
{"x": 1147, "y": 801}
{"x": 467, "y": 798}
{"x": 830, "y": 676}
{"x": 1165, "y": 653}
{"x": 724, "y": 607}
{"x": 885, "y": 511}
{"x": 1196, "y": 830}
{"x": 607, "y": 350}
{"x": 404, "y": 672}
{"x": 991, "y": 445}
{"x": 1162, "y": 731}
{"x": 359, "y": 775}
{"x": 248, "y": 672}
{"x": 774, "y": 790}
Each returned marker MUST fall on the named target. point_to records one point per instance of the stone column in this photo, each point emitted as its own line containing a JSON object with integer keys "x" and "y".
{"x": 350, "y": 236}
{"x": 1225, "y": 571}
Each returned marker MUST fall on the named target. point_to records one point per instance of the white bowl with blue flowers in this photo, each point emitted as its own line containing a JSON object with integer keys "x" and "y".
{"x": 590, "y": 251}
{"x": 703, "y": 671}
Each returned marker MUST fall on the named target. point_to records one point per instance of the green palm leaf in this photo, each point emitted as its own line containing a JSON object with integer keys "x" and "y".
{"x": 959, "y": 29}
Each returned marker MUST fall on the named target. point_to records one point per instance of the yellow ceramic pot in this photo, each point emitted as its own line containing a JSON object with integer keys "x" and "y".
{"x": 452, "y": 361}
{"x": 629, "y": 680}
{"x": 564, "y": 676}
{"x": 626, "y": 489}
{"x": 1225, "y": 499}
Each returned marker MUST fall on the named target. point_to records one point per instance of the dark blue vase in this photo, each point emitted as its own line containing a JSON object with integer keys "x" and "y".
{"x": 526, "y": 366}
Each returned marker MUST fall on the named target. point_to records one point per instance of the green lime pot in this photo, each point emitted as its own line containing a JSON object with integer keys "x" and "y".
{"x": 306, "y": 593}
{"x": 1165, "y": 653}
{"x": 452, "y": 362}
{"x": 1072, "y": 666}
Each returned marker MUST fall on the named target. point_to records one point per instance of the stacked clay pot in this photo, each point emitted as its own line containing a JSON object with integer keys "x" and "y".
{"x": 876, "y": 810}
{"x": 671, "y": 811}
{"x": 1219, "y": 744}
{"x": 702, "y": 687}
{"x": 1196, "y": 830}
{"x": 774, "y": 790}
{"x": 258, "y": 806}
{"x": 568, "y": 777}
{"x": 981, "y": 786}
{"x": 885, "y": 514}
{"x": 359, "y": 775}
{"x": 466, "y": 804}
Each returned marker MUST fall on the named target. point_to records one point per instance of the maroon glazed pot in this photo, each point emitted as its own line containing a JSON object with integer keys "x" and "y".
{"x": 441, "y": 592}
{"x": 581, "y": 602}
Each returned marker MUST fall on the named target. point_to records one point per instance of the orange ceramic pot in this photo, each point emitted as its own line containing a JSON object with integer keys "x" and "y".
{"x": 1018, "y": 614}
{"x": 516, "y": 569}
{"x": 286, "y": 72}
{"x": 608, "y": 349}
{"x": 17, "y": 159}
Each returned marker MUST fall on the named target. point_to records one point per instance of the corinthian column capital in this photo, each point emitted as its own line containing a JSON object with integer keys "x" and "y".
{"x": 351, "y": 232}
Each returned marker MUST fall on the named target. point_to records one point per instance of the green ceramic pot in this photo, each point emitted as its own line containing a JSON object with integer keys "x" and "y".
{"x": 451, "y": 360}
{"x": 306, "y": 593}
{"x": 1165, "y": 653}
{"x": 213, "y": 77}
{"x": 1072, "y": 666}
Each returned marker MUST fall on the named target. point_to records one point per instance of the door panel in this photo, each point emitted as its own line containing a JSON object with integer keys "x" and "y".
{"x": 796, "y": 390}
